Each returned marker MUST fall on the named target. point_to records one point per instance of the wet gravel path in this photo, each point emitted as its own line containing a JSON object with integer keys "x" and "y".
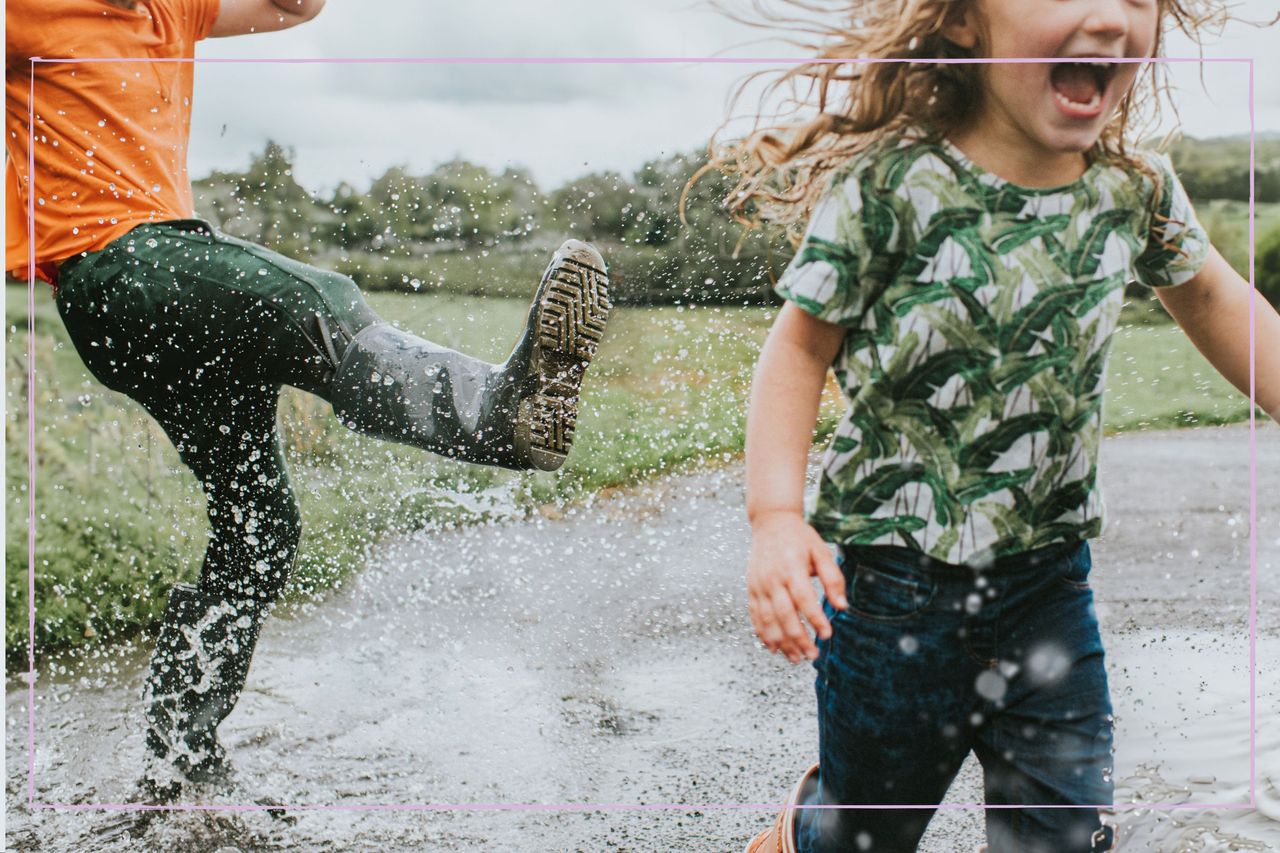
{"x": 606, "y": 657}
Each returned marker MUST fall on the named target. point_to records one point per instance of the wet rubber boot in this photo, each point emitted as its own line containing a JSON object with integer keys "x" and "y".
{"x": 519, "y": 414}
{"x": 198, "y": 668}
{"x": 781, "y": 837}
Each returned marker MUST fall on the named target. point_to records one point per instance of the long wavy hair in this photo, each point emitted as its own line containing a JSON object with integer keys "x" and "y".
{"x": 831, "y": 111}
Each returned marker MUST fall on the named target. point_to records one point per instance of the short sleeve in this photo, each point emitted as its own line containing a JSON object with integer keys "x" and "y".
{"x": 833, "y": 275}
{"x": 192, "y": 18}
{"x": 1177, "y": 245}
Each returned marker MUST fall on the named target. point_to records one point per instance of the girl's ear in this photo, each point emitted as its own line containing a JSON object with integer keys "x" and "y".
{"x": 961, "y": 28}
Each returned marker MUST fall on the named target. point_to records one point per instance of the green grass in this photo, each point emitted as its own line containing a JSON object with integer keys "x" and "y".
{"x": 1157, "y": 379}
{"x": 119, "y": 519}
{"x": 1228, "y": 225}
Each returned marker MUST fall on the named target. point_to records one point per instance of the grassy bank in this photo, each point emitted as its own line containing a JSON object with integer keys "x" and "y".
{"x": 119, "y": 519}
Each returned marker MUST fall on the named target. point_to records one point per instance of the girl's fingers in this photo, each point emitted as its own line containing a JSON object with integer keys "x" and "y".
{"x": 765, "y": 622}
{"x": 831, "y": 577}
{"x": 767, "y": 617}
{"x": 804, "y": 598}
{"x": 794, "y": 636}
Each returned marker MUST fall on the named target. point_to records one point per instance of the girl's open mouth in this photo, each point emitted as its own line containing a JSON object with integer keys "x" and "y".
{"x": 1080, "y": 87}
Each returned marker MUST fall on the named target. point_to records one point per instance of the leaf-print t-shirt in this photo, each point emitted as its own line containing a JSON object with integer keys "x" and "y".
{"x": 979, "y": 316}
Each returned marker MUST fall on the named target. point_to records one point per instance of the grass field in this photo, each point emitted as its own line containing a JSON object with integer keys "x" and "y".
{"x": 119, "y": 519}
{"x": 1228, "y": 225}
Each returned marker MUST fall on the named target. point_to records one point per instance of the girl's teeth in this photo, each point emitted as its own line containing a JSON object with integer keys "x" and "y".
{"x": 1093, "y": 103}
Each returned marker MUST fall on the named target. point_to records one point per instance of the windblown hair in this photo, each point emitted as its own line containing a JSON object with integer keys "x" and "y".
{"x": 783, "y": 165}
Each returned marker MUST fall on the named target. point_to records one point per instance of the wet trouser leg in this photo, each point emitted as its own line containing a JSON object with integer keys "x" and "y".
{"x": 210, "y": 629}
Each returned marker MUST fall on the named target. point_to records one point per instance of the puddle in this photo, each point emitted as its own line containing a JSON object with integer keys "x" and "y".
{"x": 1182, "y": 736}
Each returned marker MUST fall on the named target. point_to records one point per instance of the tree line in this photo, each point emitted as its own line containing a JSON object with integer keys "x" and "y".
{"x": 402, "y": 231}
{"x": 498, "y": 226}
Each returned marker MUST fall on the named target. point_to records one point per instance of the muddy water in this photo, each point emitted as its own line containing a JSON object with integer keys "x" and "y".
{"x": 605, "y": 657}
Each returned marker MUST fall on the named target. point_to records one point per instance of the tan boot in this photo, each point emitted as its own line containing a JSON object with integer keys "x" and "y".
{"x": 781, "y": 837}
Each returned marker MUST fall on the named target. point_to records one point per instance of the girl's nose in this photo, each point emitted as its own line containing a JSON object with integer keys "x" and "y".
{"x": 1107, "y": 19}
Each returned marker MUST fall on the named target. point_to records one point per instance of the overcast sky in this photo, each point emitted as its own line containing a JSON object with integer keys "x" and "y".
{"x": 351, "y": 121}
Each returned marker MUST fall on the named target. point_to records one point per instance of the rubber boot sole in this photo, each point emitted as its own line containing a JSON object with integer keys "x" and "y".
{"x": 572, "y": 309}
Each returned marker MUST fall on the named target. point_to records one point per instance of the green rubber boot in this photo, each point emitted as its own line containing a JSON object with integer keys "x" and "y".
{"x": 198, "y": 669}
{"x": 519, "y": 414}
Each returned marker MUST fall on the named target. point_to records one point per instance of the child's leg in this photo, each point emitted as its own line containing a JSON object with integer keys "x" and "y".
{"x": 894, "y": 693}
{"x": 313, "y": 330}
{"x": 200, "y": 362}
{"x": 392, "y": 384}
{"x": 1049, "y": 742}
{"x": 210, "y": 628}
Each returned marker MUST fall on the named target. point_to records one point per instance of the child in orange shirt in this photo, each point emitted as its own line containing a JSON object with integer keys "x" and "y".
{"x": 202, "y": 329}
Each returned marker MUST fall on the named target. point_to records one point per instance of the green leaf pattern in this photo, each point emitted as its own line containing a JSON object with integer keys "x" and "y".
{"x": 979, "y": 315}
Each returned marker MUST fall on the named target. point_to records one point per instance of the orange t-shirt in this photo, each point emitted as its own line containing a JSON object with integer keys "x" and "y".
{"x": 110, "y": 138}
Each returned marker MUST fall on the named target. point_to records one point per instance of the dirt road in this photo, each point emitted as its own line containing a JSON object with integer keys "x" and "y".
{"x": 606, "y": 657}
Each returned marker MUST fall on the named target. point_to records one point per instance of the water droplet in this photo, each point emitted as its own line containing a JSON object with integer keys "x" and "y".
{"x": 991, "y": 685}
{"x": 972, "y": 603}
{"x": 1047, "y": 663}
{"x": 909, "y": 644}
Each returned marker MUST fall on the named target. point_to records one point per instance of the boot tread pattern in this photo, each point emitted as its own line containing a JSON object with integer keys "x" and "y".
{"x": 573, "y": 310}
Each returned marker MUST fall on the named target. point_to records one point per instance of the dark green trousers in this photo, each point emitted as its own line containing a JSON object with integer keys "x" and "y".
{"x": 202, "y": 330}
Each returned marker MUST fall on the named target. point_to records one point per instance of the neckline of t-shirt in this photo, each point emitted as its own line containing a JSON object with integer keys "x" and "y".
{"x": 995, "y": 180}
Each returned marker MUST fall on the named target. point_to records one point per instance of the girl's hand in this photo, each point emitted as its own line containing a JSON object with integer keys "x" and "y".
{"x": 785, "y": 553}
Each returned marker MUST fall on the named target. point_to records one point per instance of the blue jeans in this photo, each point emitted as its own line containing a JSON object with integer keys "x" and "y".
{"x": 932, "y": 660}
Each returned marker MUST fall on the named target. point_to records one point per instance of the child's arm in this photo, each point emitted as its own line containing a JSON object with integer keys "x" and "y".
{"x": 241, "y": 17}
{"x": 785, "y": 551}
{"x": 1213, "y": 309}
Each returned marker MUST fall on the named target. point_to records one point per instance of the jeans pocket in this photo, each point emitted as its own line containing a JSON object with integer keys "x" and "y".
{"x": 1075, "y": 575}
{"x": 889, "y": 593}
